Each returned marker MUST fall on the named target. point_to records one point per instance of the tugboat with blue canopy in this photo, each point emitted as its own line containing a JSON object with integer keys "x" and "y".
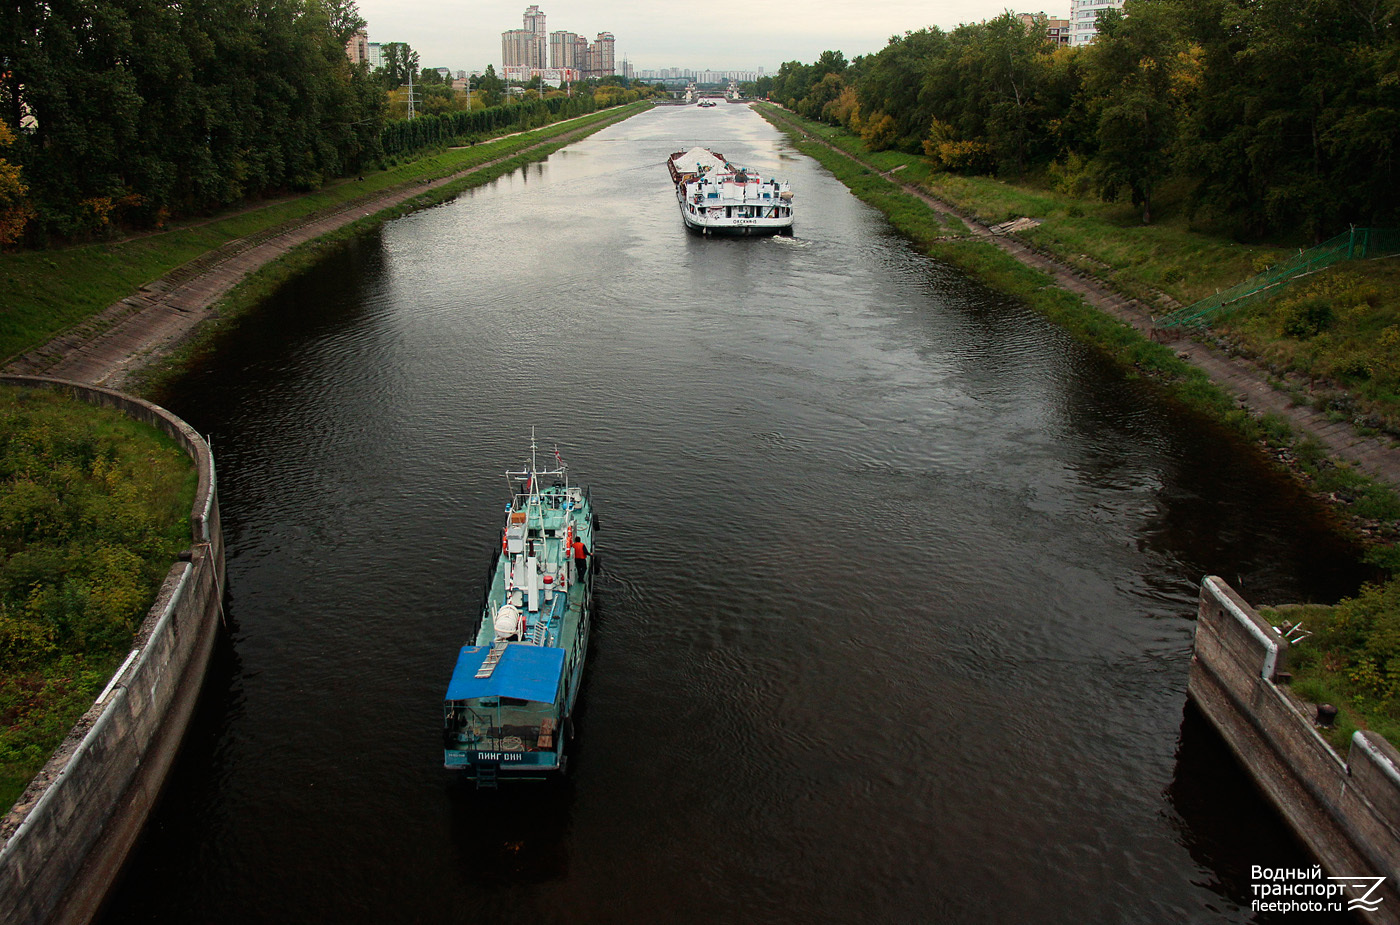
{"x": 509, "y": 706}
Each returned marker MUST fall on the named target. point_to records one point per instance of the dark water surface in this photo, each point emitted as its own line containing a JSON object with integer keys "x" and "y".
{"x": 897, "y": 597}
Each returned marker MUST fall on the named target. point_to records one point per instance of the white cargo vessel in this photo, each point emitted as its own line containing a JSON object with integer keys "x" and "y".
{"x": 717, "y": 197}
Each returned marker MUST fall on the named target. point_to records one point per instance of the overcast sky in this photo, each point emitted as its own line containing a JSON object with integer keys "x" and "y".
{"x": 715, "y": 34}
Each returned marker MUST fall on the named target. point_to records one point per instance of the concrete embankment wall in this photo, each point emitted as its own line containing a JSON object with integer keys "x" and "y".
{"x": 1346, "y": 810}
{"x": 67, "y": 837}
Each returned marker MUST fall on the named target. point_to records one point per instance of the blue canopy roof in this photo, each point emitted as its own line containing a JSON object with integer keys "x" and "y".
{"x": 524, "y": 672}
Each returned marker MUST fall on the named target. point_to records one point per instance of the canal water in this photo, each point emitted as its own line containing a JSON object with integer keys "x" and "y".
{"x": 897, "y": 586}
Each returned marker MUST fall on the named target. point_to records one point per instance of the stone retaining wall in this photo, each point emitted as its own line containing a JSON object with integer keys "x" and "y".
{"x": 67, "y": 837}
{"x": 1346, "y": 811}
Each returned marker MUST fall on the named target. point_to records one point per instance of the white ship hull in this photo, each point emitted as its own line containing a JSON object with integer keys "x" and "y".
{"x": 744, "y": 219}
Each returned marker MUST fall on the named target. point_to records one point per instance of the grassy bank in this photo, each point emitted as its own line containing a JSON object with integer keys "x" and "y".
{"x": 94, "y": 508}
{"x": 1147, "y": 262}
{"x": 51, "y": 290}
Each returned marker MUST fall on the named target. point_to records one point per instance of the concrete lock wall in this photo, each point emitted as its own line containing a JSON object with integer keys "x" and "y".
{"x": 67, "y": 837}
{"x": 1346, "y": 810}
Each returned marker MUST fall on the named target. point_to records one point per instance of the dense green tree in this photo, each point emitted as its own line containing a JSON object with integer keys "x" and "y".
{"x": 791, "y": 83}
{"x": 1003, "y": 67}
{"x": 758, "y": 89}
{"x": 1281, "y": 117}
{"x": 400, "y": 61}
{"x": 15, "y": 208}
{"x": 821, "y": 95}
{"x": 492, "y": 87}
{"x": 1296, "y": 117}
{"x": 138, "y": 110}
{"x": 893, "y": 85}
{"x": 1069, "y": 124}
{"x": 1133, "y": 79}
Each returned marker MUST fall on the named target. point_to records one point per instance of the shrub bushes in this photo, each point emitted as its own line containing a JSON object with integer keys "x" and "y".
{"x": 94, "y": 508}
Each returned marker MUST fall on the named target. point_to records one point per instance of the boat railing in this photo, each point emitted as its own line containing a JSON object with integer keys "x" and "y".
{"x": 553, "y": 497}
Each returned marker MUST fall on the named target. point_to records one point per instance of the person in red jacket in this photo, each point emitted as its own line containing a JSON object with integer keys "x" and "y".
{"x": 580, "y": 558}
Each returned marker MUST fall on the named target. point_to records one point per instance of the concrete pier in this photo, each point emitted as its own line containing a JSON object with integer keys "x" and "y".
{"x": 1345, "y": 809}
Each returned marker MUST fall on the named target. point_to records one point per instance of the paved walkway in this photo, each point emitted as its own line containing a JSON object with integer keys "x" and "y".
{"x": 109, "y": 347}
{"x": 1377, "y": 457}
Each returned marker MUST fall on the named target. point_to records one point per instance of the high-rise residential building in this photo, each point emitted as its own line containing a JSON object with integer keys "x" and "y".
{"x": 601, "y": 55}
{"x": 563, "y": 50}
{"x": 1057, "y": 30}
{"x": 358, "y": 48}
{"x": 527, "y": 47}
{"x": 522, "y": 48}
{"x": 531, "y": 49}
{"x": 1084, "y": 16}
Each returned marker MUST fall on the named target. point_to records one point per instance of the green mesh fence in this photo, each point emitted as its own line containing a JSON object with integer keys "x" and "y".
{"x": 1356, "y": 244}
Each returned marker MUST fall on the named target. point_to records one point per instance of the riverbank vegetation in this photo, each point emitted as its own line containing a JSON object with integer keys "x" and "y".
{"x": 1350, "y": 659}
{"x": 1280, "y": 125}
{"x": 94, "y": 508}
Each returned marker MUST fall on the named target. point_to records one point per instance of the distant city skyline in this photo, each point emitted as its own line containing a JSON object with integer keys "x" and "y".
{"x": 729, "y": 36}
{"x": 533, "y": 49}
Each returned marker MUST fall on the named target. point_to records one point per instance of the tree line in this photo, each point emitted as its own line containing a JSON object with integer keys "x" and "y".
{"x": 405, "y": 136}
{"x": 1281, "y": 118}
{"x": 121, "y": 114}
{"x": 134, "y": 111}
